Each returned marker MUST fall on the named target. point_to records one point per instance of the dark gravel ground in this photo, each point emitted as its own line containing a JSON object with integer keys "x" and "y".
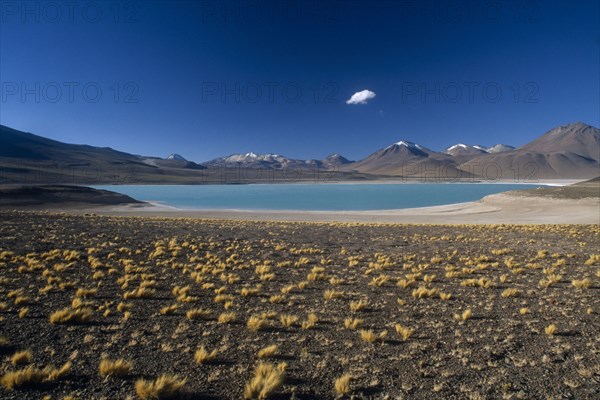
{"x": 497, "y": 353}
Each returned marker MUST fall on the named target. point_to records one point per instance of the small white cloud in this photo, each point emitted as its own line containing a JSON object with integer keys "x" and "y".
{"x": 361, "y": 97}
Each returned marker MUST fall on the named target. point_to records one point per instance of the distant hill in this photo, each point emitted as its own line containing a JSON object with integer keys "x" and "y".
{"x": 568, "y": 151}
{"x": 29, "y": 158}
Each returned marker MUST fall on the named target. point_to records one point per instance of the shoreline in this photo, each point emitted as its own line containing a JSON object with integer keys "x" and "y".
{"x": 383, "y": 181}
{"x": 553, "y": 204}
{"x": 502, "y": 208}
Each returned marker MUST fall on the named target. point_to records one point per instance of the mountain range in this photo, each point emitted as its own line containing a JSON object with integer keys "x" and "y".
{"x": 568, "y": 151}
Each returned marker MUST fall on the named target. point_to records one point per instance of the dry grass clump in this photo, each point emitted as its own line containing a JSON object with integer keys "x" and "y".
{"x": 550, "y": 330}
{"x": 423, "y": 292}
{"x": 510, "y": 293}
{"x": 202, "y": 356}
{"x": 69, "y": 316}
{"x": 404, "y": 332}
{"x": 30, "y": 376}
{"x": 256, "y": 323}
{"x": 310, "y": 322}
{"x": 85, "y": 293}
{"x": 115, "y": 368}
{"x": 288, "y": 320}
{"x": 163, "y": 387}
{"x": 372, "y": 337}
{"x": 332, "y": 294}
{"x": 21, "y": 300}
{"x": 353, "y": 323}
{"x": 169, "y": 310}
{"x": 267, "y": 379}
{"x": 358, "y": 305}
{"x": 466, "y": 315}
{"x": 226, "y": 318}
{"x": 140, "y": 293}
{"x": 21, "y": 357}
{"x": 594, "y": 259}
{"x": 268, "y": 351}
{"x": 197, "y": 313}
{"x": 582, "y": 283}
{"x": 445, "y": 296}
{"x": 342, "y": 384}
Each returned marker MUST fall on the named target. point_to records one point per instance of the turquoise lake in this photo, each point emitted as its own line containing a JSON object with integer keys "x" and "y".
{"x": 325, "y": 197}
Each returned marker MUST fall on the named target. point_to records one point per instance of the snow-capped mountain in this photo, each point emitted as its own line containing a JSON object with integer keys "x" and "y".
{"x": 175, "y": 156}
{"x": 404, "y": 158}
{"x": 274, "y": 161}
{"x": 463, "y": 150}
{"x": 500, "y": 148}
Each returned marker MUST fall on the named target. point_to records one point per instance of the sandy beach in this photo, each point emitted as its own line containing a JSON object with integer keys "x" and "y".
{"x": 503, "y": 208}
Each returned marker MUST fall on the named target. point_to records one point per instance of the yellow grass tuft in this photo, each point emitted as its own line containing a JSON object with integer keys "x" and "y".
{"x": 510, "y": 293}
{"x": 550, "y": 330}
{"x": 353, "y": 323}
{"x": 115, "y": 368}
{"x": 277, "y": 298}
{"x": 332, "y": 294}
{"x": 423, "y": 292}
{"x": 202, "y": 356}
{"x": 197, "y": 313}
{"x": 163, "y": 387}
{"x": 19, "y": 300}
{"x": 21, "y": 357}
{"x": 358, "y": 305}
{"x": 372, "y": 337}
{"x": 226, "y": 318}
{"x": 467, "y": 314}
{"x": 68, "y": 316}
{"x": 31, "y": 376}
{"x": 288, "y": 320}
{"x": 140, "y": 293}
{"x": 267, "y": 379}
{"x": 404, "y": 332}
{"x": 268, "y": 351}
{"x": 169, "y": 310}
{"x": 86, "y": 293}
{"x": 445, "y": 296}
{"x": 310, "y": 322}
{"x": 342, "y": 384}
{"x": 582, "y": 284}
{"x": 256, "y": 323}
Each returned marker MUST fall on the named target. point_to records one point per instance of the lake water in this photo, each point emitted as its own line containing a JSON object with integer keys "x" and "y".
{"x": 326, "y": 197}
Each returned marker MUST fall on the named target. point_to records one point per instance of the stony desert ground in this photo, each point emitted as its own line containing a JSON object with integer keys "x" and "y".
{"x": 100, "y": 307}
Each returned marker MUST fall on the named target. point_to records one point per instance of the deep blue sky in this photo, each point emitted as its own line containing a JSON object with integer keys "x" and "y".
{"x": 193, "y": 69}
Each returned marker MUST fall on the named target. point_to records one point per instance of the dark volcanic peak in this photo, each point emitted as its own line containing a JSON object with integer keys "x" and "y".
{"x": 336, "y": 159}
